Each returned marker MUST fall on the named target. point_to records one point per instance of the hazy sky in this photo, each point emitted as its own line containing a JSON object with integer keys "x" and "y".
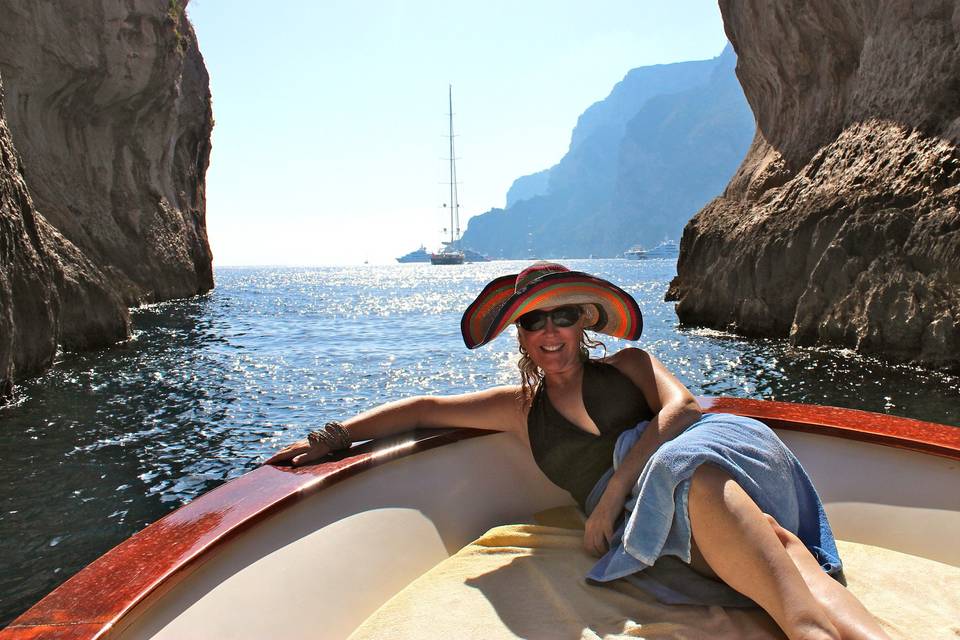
{"x": 330, "y": 140}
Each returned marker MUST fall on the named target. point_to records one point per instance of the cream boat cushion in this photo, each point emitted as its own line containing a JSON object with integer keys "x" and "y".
{"x": 527, "y": 581}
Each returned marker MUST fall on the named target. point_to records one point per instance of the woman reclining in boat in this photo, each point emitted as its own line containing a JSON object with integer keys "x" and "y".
{"x": 696, "y": 509}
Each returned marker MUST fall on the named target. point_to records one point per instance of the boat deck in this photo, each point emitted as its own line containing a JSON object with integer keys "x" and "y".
{"x": 310, "y": 542}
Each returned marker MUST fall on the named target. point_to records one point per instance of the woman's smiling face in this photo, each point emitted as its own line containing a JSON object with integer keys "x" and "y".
{"x": 554, "y": 349}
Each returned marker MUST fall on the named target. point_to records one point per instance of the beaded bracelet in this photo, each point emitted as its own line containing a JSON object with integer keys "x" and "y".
{"x": 334, "y": 436}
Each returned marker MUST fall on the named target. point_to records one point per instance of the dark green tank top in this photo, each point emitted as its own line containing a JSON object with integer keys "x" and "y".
{"x": 575, "y": 459}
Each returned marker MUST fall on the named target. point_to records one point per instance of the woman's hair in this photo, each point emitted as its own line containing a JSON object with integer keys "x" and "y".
{"x": 531, "y": 375}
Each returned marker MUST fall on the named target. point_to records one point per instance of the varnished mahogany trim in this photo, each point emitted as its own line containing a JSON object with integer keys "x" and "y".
{"x": 89, "y": 604}
{"x": 78, "y": 631}
{"x": 863, "y": 426}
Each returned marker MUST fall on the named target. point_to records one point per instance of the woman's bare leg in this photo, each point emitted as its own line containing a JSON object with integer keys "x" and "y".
{"x": 739, "y": 545}
{"x": 846, "y": 612}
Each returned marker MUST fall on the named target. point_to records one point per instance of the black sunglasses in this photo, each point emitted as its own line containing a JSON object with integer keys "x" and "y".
{"x": 562, "y": 317}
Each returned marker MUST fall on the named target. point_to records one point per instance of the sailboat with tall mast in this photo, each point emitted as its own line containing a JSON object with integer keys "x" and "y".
{"x": 451, "y": 253}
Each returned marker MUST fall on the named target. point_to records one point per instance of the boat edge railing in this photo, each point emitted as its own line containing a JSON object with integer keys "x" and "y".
{"x": 92, "y": 603}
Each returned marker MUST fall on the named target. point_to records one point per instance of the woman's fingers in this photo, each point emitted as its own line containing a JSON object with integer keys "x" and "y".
{"x": 596, "y": 539}
{"x": 284, "y": 456}
{"x": 598, "y": 531}
{"x": 313, "y": 453}
{"x": 307, "y": 457}
{"x": 599, "y": 545}
{"x": 299, "y": 460}
{"x": 594, "y": 548}
{"x": 289, "y": 453}
{"x": 603, "y": 542}
{"x": 299, "y": 453}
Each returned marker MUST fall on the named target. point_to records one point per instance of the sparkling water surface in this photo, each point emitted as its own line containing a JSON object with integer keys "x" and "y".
{"x": 107, "y": 442}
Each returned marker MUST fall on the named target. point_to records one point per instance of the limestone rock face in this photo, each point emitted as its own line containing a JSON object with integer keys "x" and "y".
{"x": 108, "y": 102}
{"x": 104, "y": 142}
{"x": 842, "y": 225}
{"x": 28, "y": 297}
{"x": 50, "y": 293}
{"x": 640, "y": 163}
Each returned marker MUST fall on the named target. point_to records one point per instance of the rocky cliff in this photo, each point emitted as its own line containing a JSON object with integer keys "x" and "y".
{"x": 842, "y": 224}
{"x": 640, "y": 163}
{"x": 28, "y": 299}
{"x": 108, "y": 104}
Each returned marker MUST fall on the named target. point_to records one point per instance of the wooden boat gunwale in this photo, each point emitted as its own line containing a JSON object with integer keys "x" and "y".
{"x": 91, "y": 603}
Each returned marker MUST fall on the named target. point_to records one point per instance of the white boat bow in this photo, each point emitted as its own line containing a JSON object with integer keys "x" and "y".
{"x": 280, "y": 550}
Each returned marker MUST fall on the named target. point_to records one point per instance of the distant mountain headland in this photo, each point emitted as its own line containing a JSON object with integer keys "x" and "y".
{"x": 842, "y": 225}
{"x": 105, "y": 123}
{"x": 641, "y": 162}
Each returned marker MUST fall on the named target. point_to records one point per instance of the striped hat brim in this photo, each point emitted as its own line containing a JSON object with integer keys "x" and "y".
{"x": 500, "y": 304}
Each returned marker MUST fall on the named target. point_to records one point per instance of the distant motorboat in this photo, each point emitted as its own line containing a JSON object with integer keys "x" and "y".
{"x": 666, "y": 249}
{"x": 420, "y": 255}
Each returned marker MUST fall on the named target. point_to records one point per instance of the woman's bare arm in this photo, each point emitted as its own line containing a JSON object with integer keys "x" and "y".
{"x": 675, "y": 409}
{"x": 496, "y": 409}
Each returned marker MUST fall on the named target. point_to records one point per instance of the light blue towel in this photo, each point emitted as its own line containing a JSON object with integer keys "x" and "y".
{"x": 651, "y": 545}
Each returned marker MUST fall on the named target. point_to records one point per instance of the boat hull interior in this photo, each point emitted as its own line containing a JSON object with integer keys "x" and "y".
{"x": 335, "y": 555}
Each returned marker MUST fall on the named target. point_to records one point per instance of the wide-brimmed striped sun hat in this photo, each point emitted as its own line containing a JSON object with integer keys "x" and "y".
{"x": 608, "y": 308}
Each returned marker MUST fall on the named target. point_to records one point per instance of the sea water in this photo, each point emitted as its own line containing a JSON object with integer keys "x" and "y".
{"x": 107, "y": 442}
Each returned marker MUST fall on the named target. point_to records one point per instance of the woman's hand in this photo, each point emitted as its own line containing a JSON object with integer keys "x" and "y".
{"x": 299, "y": 453}
{"x": 598, "y": 531}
